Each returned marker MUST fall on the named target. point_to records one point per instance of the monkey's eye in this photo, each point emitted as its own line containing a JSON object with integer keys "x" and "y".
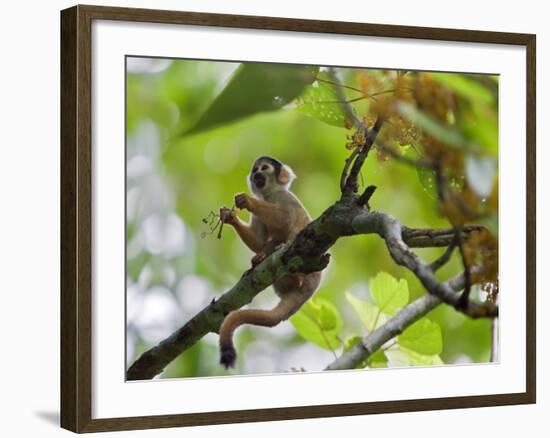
{"x": 265, "y": 167}
{"x": 254, "y": 170}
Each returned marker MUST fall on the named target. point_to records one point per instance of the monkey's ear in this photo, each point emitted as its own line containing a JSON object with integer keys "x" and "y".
{"x": 286, "y": 175}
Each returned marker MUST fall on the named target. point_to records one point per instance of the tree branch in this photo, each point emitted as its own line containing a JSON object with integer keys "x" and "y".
{"x": 305, "y": 254}
{"x": 345, "y": 171}
{"x": 348, "y": 182}
{"x": 365, "y": 196}
{"x": 430, "y": 238}
{"x": 352, "y": 186}
{"x": 346, "y": 106}
{"x": 445, "y": 257}
{"x": 391, "y": 231}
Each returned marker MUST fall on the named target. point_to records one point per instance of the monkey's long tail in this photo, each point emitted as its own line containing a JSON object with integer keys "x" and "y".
{"x": 266, "y": 318}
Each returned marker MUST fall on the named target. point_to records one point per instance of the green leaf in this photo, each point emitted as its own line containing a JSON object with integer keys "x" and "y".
{"x": 424, "y": 337}
{"x": 419, "y": 359}
{"x": 378, "y": 359}
{"x": 370, "y": 314}
{"x": 389, "y": 293}
{"x": 404, "y": 357}
{"x": 320, "y": 100}
{"x": 397, "y": 358}
{"x": 319, "y": 321}
{"x": 328, "y": 318}
{"x": 255, "y": 88}
{"x": 480, "y": 174}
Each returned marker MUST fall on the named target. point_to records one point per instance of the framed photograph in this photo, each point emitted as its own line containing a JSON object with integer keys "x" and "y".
{"x": 268, "y": 218}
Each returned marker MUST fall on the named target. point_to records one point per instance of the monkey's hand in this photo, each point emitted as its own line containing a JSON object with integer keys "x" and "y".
{"x": 243, "y": 201}
{"x": 227, "y": 216}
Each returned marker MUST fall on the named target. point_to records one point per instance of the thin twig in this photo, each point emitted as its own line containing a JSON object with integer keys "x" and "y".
{"x": 443, "y": 195}
{"x": 351, "y": 185}
{"x": 340, "y": 85}
{"x": 445, "y": 257}
{"x": 347, "y": 165}
{"x": 356, "y": 99}
{"x": 348, "y": 109}
{"x": 463, "y": 302}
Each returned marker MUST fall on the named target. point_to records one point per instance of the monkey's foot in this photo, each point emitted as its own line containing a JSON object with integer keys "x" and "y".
{"x": 279, "y": 246}
{"x": 228, "y": 357}
{"x": 257, "y": 259}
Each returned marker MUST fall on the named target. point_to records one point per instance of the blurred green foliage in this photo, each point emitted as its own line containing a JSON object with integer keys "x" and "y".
{"x": 193, "y": 130}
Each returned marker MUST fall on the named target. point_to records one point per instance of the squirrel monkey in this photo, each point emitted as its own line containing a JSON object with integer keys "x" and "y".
{"x": 277, "y": 217}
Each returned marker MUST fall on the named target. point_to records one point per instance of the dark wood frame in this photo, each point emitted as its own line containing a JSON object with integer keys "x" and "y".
{"x": 76, "y": 218}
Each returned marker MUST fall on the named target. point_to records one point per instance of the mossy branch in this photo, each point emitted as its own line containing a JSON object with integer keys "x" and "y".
{"x": 307, "y": 253}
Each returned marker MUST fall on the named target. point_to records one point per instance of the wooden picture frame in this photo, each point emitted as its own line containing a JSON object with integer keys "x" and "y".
{"x": 76, "y": 217}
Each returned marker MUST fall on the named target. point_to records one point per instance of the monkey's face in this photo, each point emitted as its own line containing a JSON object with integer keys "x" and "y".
{"x": 269, "y": 175}
{"x": 261, "y": 173}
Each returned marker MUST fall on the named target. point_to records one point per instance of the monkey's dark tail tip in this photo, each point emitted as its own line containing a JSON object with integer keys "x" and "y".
{"x": 228, "y": 357}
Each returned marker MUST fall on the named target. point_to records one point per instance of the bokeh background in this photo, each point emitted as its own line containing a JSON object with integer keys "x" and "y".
{"x": 177, "y": 176}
